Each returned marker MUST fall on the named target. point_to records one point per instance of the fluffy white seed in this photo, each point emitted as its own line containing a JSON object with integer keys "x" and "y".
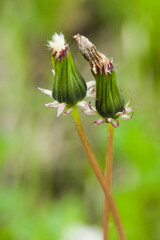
{"x": 57, "y": 43}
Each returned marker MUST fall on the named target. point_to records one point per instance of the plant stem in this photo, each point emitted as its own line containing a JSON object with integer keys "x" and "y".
{"x": 98, "y": 173}
{"x": 109, "y": 160}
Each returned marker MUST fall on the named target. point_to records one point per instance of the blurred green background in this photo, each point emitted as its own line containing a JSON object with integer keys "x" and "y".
{"x": 46, "y": 183}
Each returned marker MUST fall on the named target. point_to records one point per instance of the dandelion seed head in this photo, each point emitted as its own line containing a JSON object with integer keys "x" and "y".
{"x": 57, "y": 43}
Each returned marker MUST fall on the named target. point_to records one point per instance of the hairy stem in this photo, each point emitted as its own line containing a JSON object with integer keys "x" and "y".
{"x": 98, "y": 174}
{"x": 109, "y": 161}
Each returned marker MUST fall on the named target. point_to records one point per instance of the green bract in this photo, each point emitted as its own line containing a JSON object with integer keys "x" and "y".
{"x": 69, "y": 86}
{"x": 109, "y": 99}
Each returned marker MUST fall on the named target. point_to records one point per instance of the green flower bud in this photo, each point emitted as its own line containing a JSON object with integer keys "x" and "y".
{"x": 109, "y": 99}
{"x": 69, "y": 86}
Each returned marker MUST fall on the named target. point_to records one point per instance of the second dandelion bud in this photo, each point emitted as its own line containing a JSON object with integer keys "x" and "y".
{"x": 109, "y": 100}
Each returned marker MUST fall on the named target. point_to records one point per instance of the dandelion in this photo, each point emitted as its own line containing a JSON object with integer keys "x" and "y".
{"x": 110, "y": 103}
{"x": 69, "y": 87}
{"x": 69, "y": 91}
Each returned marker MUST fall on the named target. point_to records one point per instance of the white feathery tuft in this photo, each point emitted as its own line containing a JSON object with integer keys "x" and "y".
{"x": 57, "y": 43}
